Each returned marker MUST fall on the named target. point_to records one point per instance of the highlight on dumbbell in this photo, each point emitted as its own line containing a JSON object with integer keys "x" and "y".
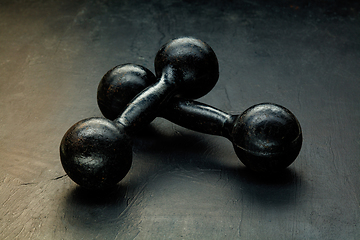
{"x": 266, "y": 137}
{"x": 97, "y": 153}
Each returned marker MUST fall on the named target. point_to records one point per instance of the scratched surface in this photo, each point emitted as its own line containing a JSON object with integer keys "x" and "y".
{"x": 304, "y": 55}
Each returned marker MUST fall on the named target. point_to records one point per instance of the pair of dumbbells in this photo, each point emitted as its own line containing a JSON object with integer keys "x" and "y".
{"x": 96, "y": 153}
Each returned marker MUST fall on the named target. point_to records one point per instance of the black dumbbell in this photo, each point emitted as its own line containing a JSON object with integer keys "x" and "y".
{"x": 114, "y": 96}
{"x": 266, "y": 137}
{"x": 97, "y": 153}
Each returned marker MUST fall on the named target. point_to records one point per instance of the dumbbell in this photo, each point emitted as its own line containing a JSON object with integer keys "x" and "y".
{"x": 266, "y": 137}
{"x": 96, "y": 153}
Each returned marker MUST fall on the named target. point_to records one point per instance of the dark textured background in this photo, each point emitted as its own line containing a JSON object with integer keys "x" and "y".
{"x": 304, "y": 55}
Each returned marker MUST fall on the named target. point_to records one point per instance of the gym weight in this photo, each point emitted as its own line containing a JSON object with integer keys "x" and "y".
{"x": 96, "y": 153}
{"x": 266, "y": 137}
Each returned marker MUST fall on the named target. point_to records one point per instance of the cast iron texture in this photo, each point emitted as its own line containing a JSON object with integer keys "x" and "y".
{"x": 266, "y": 137}
{"x": 94, "y": 160}
{"x": 184, "y": 66}
{"x": 201, "y": 65}
{"x": 95, "y": 153}
{"x": 113, "y": 97}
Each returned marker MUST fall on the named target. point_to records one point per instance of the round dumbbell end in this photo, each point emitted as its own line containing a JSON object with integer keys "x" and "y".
{"x": 95, "y": 153}
{"x": 119, "y": 86}
{"x": 267, "y": 137}
{"x": 195, "y": 62}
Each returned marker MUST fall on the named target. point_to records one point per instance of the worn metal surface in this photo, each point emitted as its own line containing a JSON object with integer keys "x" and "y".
{"x": 303, "y": 55}
{"x": 119, "y": 86}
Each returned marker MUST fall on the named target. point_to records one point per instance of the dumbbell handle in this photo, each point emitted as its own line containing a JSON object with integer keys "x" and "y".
{"x": 146, "y": 105}
{"x": 199, "y": 117}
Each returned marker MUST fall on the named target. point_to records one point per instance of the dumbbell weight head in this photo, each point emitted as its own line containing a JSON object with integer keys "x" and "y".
{"x": 267, "y": 137}
{"x": 201, "y": 71}
{"x": 95, "y": 153}
{"x": 113, "y": 95}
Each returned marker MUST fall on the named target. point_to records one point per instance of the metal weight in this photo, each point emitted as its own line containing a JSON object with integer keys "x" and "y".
{"x": 266, "y": 137}
{"x": 93, "y": 149}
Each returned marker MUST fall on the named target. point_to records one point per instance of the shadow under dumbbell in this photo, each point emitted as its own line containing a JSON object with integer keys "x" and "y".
{"x": 115, "y": 195}
{"x": 162, "y": 152}
{"x": 283, "y": 188}
{"x": 162, "y": 146}
{"x": 167, "y": 149}
{"x": 163, "y": 137}
{"x": 172, "y": 174}
{"x": 92, "y": 212}
{"x": 85, "y": 207}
